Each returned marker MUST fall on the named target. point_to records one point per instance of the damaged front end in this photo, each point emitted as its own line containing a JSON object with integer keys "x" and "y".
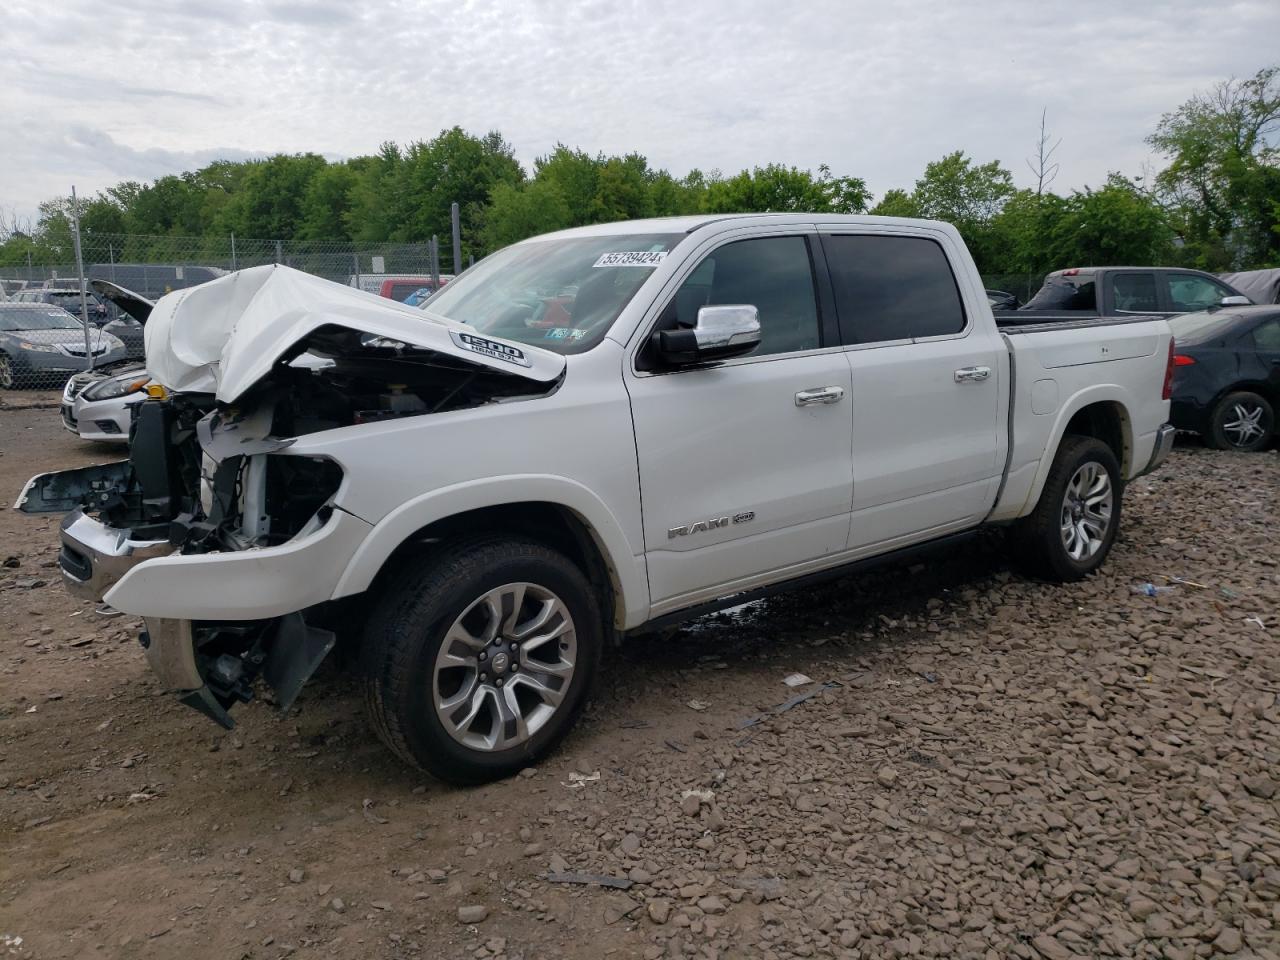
{"x": 217, "y": 530}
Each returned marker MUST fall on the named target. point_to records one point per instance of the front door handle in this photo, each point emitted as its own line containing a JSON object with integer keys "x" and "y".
{"x": 972, "y": 374}
{"x": 807, "y": 398}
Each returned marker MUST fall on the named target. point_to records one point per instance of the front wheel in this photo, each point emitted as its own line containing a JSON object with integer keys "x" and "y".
{"x": 1241, "y": 421}
{"x": 478, "y": 663}
{"x": 6, "y": 372}
{"x": 1070, "y": 532}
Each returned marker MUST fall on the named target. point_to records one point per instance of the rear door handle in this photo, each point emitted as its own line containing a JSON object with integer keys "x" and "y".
{"x": 972, "y": 374}
{"x": 807, "y": 398}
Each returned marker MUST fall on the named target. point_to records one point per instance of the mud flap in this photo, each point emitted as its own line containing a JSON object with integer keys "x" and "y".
{"x": 296, "y": 652}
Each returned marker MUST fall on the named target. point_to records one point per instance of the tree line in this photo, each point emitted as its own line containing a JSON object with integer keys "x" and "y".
{"x": 1215, "y": 204}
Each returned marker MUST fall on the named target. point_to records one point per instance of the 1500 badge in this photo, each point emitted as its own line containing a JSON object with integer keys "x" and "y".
{"x": 715, "y": 523}
{"x": 490, "y": 348}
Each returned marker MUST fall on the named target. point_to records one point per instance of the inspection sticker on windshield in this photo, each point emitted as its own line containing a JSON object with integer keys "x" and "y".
{"x": 631, "y": 258}
{"x": 490, "y": 348}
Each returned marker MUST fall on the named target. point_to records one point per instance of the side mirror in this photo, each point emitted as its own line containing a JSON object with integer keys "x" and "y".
{"x": 1234, "y": 301}
{"x": 721, "y": 332}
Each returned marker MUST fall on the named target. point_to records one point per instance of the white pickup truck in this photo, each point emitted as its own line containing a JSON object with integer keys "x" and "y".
{"x": 590, "y": 433}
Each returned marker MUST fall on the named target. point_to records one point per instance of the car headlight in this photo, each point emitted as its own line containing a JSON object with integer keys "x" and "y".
{"x": 38, "y": 347}
{"x": 115, "y": 387}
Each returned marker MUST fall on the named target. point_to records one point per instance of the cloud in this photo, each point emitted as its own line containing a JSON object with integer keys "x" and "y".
{"x": 873, "y": 89}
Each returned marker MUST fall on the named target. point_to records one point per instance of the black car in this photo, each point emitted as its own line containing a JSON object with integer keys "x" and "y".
{"x": 1226, "y": 375}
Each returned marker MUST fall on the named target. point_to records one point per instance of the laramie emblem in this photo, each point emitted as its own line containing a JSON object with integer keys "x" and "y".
{"x": 702, "y": 526}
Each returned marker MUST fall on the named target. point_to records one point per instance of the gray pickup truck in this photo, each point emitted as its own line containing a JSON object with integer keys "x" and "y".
{"x": 1084, "y": 292}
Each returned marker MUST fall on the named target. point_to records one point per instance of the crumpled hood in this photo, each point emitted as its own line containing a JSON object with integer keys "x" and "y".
{"x": 221, "y": 337}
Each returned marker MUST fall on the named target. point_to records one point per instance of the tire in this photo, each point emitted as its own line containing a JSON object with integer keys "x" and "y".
{"x": 426, "y": 648}
{"x": 6, "y": 372}
{"x": 1242, "y": 420}
{"x": 1070, "y": 532}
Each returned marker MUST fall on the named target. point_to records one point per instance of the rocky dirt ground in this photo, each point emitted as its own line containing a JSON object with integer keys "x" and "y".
{"x": 987, "y": 767}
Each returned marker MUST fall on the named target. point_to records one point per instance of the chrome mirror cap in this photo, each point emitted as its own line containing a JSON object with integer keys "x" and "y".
{"x": 734, "y": 325}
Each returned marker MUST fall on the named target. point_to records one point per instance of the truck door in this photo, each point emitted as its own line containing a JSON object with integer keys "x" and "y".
{"x": 930, "y": 392}
{"x": 745, "y": 466}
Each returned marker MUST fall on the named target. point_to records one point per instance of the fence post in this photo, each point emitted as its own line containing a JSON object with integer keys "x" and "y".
{"x": 435, "y": 262}
{"x": 278, "y": 256}
{"x": 84, "y": 299}
{"x": 233, "y": 251}
{"x": 28, "y": 266}
{"x": 457, "y": 238}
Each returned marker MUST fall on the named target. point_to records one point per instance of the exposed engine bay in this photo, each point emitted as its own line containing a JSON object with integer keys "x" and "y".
{"x": 206, "y": 476}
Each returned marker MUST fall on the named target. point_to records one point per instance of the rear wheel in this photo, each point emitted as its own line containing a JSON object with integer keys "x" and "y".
{"x": 478, "y": 664}
{"x": 1070, "y": 533}
{"x": 1241, "y": 421}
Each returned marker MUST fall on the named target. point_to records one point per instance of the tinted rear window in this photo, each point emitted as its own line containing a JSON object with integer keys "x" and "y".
{"x": 892, "y": 288}
{"x": 1065, "y": 293}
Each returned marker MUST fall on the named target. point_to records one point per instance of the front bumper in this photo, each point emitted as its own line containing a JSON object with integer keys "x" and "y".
{"x": 1163, "y": 446}
{"x": 94, "y": 557}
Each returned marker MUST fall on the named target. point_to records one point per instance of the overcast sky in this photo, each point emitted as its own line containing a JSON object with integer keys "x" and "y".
{"x": 94, "y": 92}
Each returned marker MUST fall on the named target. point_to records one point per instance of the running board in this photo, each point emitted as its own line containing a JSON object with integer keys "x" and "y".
{"x": 807, "y": 580}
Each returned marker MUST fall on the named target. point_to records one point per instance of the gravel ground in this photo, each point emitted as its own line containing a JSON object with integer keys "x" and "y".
{"x": 984, "y": 766}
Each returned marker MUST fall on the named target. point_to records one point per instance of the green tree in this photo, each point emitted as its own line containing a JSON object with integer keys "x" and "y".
{"x": 516, "y": 212}
{"x": 1223, "y": 179}
{"x": 1117, "y": 224}
{"x": 268, "y": 202}
{"x": 327, "y": 203}
{"x": 896, "y": 203}
{"x": 776, "y": 188}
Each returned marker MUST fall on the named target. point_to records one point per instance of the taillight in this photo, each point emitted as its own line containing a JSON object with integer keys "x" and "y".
{"x": 1167, "y": 392}
{"x": 1182, "y": 360}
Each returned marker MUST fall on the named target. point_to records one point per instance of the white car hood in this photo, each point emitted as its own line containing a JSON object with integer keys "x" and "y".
{"x": 221, "y": 337}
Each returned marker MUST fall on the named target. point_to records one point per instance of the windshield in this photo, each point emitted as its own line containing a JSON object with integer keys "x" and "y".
{"x": 1064, "y": 293}
{"x": 1208, "y": 325}
{"x": 562, "y": 295}
{"x": 27, "y": 318}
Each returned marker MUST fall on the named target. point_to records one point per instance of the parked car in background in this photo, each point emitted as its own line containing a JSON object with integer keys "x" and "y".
{"x": 1002, "y": 300}
{"x": 377, "y": 283}
{"x": 401, "y": 288}
{"x": 97, "y": 404}
{"x": 42, "y": 343}
{"x": 132, "y": 310}
{"x": 69, "y": 300}
{"x": 1226, "y": 381}
{"x": 1084, "y": 292}
{"x": 1260, "y": 286}
{"x": 729, "y": 406}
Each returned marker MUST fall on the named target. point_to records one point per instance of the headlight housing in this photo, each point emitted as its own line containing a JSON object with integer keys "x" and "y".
{"x": 38, "y": 347}
{"x": 116, "y": 387}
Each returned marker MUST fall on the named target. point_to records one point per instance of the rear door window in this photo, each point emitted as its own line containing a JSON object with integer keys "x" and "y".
{"x": 1063, "y": 292}
{"x": 892, "y": 288}
{"x": 1134, "y": 293}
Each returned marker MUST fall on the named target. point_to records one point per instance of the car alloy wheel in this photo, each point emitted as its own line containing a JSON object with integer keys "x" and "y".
{"x": 504, "y": 667}
{"x": 1086, "y": 511}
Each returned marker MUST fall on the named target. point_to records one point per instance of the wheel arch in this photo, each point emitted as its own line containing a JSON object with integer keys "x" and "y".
{"x": 1102, "y": 412}
{"x": 557, "y": 512}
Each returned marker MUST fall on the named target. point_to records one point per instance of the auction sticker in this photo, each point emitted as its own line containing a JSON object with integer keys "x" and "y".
{"x": 631, "y": 258}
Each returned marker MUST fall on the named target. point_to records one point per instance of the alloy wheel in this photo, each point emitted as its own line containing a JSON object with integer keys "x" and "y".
{"x": 1242, "y": 424}
{"x": 1087, "y": 507}
{"x": 504, "y": 667}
